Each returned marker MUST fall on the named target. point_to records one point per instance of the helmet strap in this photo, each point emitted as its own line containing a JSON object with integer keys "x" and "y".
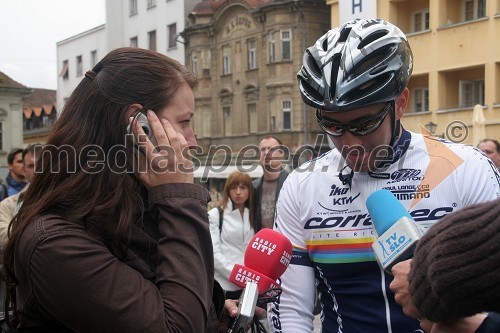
{"x": 396, "y": 126}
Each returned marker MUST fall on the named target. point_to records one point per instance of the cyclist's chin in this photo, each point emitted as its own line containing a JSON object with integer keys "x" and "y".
{"x": 358, "y": 162}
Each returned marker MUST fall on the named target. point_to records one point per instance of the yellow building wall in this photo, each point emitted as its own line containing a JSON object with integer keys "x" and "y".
{"x": 450, "y": 51}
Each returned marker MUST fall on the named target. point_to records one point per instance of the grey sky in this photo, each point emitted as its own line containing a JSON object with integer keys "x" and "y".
{"x": 30, "y": 29}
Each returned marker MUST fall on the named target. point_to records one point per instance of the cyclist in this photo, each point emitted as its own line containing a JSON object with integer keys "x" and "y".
{"x": 356, "y": 77}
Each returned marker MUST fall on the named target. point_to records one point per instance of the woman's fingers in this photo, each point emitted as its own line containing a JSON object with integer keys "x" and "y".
{"x": 168, "y": 162}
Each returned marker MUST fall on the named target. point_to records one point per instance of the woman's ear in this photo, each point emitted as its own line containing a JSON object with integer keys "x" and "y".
{"x": 131, "y": 110}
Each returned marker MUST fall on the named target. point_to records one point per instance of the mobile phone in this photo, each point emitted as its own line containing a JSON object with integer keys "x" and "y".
{"x": 246, "y": 309}
{"x": 141, "y": 118}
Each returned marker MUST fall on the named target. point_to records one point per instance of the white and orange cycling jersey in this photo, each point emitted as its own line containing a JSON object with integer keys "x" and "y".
{"x": 331, "y": 231}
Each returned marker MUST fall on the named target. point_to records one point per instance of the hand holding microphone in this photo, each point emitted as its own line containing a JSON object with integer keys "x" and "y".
{"x": 267, "y": 256}
{"x": 397, "y": 234}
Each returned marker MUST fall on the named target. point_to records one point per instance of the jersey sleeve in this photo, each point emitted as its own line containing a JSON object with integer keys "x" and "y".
{"x": 480, "y": 177}
{"x": 292, "y": 312}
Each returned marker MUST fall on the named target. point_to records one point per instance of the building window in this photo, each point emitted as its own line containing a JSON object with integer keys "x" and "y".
{"x": 252, "y": 117}
{"x": 65, "y": 70}
{"x": 287, "y": 115}
{"x": 272, "y": 48}
{"x": 172, "y": 35}
{"x": 273, "y": 124}
{"x": 206, "y": 60}
{"x": 133, "y": 42}
{"x": 471, "y": 93}
{"x": 194, "y": 63}
{"x": 226, "y": 60}
{"x": 152, "y": 40}
{"x": 252, "y": 54}
{"x": 132, "y": 7}
{"x": 79, "y": 66}
{"x": 151, "y": 3}
{"x": 93, "y": 58}
{"x": 286, "y": 47}
{"x": 421, "y": 20}
{"x": 474, "y": 9}
{"x": 420, "y": 100}
{"x": 226, "y": 112}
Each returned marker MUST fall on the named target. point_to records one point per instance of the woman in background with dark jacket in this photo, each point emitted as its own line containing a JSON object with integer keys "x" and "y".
{"x": 113, "y": 238}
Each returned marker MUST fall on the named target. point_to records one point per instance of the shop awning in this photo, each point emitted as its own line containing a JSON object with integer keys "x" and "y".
{"x": 223, "y": 171}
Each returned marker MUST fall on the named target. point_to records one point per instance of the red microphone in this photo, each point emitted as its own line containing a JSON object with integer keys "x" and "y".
{"x": 267, "y": 256}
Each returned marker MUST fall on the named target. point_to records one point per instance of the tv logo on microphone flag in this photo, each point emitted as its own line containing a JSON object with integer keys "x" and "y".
{"x": 399, "y": 237}
{"x": 397, "y": 234}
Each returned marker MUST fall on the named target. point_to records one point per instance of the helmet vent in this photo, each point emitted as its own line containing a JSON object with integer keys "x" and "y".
{"x": 369, "y": 88}
{"x": 343, "y": 35}
{"x": 374, "y": 61}
{"x": 372, "y": 37}
{"x": 311, "y": 65}
{"x": 335, "y": 71}
{"x": 378, "y": 69}
{"x": 309, "y": 90}
{"x": 324, "y": 45}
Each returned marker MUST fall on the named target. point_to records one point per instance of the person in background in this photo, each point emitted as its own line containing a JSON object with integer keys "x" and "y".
{"x": 10, "y": 206}
{"x": 453, "y": 280}
{"x": 355, "y": 77}
{"x": 231, "y": 228}
{"x": 15, "y": 180}
{"x": 215, "y": 197}
{"x": 267, "y": 187}
{"x": 113, "y": 235}
{"x": 491, "y": 148}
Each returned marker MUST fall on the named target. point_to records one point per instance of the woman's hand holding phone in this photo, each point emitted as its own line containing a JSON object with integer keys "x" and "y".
{"x": 168, "y": 162}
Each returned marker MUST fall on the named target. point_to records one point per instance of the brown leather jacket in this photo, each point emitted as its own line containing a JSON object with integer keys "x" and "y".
{"x": 71, "y": 280}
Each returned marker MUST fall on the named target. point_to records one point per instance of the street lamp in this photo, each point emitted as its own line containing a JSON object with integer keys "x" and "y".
{"x": 431, "y": 127}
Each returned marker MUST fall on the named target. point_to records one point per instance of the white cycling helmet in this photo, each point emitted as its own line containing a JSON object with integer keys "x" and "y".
{"x": 360, "y": 63}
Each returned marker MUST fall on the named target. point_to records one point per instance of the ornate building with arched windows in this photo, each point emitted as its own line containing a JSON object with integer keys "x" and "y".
{"x": 248, "y": 54}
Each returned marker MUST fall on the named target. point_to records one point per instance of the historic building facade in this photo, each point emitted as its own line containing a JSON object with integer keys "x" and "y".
{"x": 248, "y": 54}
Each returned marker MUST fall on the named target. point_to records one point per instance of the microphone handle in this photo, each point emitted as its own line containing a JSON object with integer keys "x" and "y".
{"x": 246, "y": 309}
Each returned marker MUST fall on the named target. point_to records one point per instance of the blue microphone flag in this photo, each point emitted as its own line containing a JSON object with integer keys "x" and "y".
{"x": 384, "y": 210}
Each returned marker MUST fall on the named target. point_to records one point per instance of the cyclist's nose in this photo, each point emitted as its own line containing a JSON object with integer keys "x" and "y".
{"x": 349, "y": 139}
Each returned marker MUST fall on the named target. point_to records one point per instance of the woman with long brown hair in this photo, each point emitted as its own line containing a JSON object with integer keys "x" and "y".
{"x": 112, "y": 236}
{"x": 231, "y": 228}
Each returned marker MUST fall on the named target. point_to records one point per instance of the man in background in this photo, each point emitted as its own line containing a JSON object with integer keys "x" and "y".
{"x": 491, "y": 148}
{"x": 267, "y": 188}
{"x": 10, "y": 206}
{"x": 15, "y": 180}
{"x": 215, "y": 197}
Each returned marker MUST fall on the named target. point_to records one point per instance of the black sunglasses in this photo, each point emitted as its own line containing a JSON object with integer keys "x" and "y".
{"x": 358, "y": 127}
